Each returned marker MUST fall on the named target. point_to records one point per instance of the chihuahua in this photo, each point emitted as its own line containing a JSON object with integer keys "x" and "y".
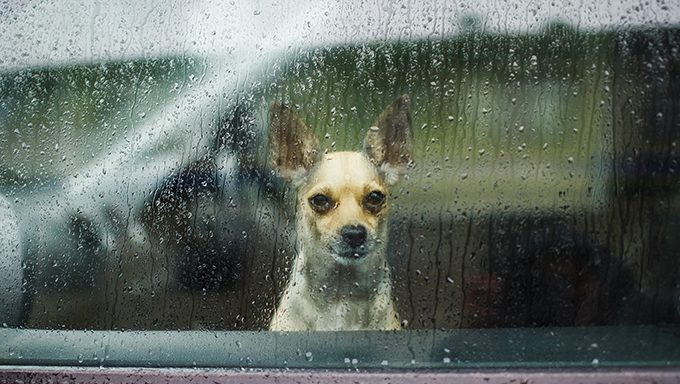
{"x": 340, "y": 275}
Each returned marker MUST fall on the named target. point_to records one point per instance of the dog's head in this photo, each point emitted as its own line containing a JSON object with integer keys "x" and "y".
{"x": 343, "y": 196}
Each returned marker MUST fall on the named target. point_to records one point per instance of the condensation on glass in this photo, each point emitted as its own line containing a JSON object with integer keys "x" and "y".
{"x": 545, "y": 190}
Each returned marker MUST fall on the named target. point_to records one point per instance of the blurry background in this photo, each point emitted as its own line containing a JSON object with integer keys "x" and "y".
{"x": 545, "y": 190}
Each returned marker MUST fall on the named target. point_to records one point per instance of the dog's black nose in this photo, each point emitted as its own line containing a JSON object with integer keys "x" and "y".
{"x": 354, "y": 235}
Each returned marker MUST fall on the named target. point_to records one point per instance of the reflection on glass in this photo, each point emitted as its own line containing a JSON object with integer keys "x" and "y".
{"x": 544, "y": 191}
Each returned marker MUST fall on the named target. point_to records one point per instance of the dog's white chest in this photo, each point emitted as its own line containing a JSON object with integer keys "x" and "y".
{"x": 298, "y": 311}
{"x": 349, "y": 316}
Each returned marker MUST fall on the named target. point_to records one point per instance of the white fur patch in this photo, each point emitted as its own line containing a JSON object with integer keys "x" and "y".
{"x": 391, "y": 173}
{"x": 297, "y": 176}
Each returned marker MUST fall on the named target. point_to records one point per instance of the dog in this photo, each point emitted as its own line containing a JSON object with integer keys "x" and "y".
{"x": 340, "y": 276}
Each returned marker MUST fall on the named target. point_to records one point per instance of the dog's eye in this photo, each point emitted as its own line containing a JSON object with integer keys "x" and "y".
{"x": 321, "y": 203}
{"x": 374, "y": 201}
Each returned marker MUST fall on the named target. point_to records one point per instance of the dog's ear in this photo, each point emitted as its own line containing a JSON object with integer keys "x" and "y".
{"x": 388, "y": 141}
{"x": 294, "y": 147}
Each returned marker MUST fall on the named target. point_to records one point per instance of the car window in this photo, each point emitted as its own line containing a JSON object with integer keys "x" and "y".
{"x": 145, "y": 208}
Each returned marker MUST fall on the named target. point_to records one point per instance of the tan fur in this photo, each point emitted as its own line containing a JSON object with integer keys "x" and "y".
{"x": 329, "y": 290}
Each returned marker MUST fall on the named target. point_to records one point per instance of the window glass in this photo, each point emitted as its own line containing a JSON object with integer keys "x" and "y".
{"x": 527, "y": 203}
{"x": 539, "y": 205}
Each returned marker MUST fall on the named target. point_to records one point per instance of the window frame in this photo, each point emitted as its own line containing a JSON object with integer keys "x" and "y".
{"x": 168, "y": 375}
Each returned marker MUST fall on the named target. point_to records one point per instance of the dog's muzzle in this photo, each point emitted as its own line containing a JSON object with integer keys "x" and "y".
{"x": 353, "y": 241}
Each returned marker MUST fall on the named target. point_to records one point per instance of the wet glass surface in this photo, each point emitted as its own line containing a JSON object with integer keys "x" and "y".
{"x": 137, "y": 195}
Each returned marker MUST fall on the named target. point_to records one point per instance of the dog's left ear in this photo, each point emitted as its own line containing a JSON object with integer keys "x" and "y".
{"x": 293, "y": 146}
{"x": 388, "y": 142}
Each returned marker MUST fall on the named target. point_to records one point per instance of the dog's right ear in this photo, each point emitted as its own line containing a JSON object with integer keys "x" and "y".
{"x": 294, "y": 147}
{"x": 388, "y": 142}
